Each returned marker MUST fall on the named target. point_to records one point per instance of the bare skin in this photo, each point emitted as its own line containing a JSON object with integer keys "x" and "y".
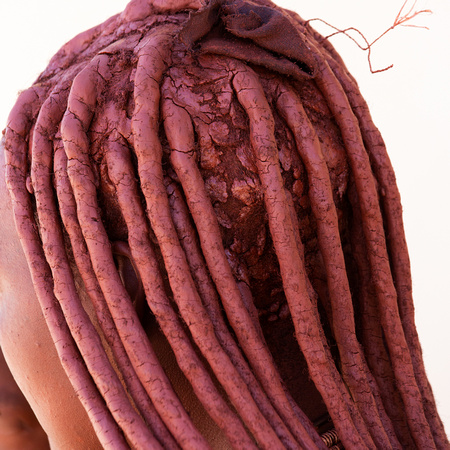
{"x": 19, "y": 427}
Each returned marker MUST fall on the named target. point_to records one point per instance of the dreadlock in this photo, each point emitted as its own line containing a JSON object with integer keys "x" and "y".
{"x": 225, "y": 149}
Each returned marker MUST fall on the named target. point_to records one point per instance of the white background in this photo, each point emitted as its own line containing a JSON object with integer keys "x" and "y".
{"x": 409, "y": 103}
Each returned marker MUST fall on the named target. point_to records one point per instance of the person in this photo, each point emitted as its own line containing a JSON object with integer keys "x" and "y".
{"x": 208, "y": 237}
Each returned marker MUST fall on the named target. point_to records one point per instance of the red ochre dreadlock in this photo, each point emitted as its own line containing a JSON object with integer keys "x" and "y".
{"x": 164, "y": 120}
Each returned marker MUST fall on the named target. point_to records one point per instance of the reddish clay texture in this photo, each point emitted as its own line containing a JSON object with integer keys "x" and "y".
{"x": 200, "y": 181}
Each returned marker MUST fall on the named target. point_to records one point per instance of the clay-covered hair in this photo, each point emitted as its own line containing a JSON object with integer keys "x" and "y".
{"x": 224, "y": 146}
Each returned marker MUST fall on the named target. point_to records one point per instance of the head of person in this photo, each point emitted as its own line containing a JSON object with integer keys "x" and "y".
{"x": 211, "y": 245}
